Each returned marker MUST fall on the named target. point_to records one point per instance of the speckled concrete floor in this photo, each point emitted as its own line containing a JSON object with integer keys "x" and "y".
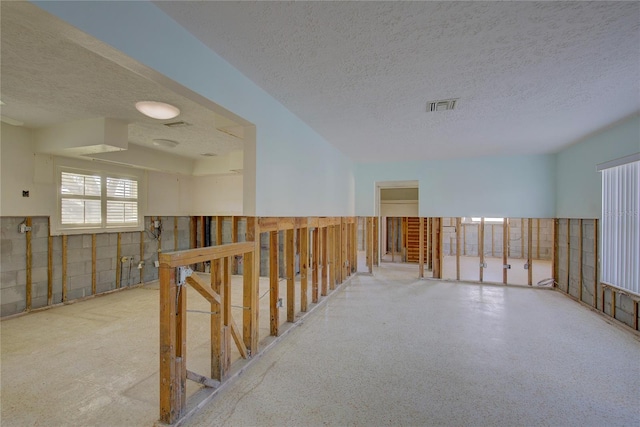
{"x": 388, "y": 350}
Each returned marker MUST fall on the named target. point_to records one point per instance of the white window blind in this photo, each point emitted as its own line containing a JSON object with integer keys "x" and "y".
{"x": 99, "y": 200}
{"x": 621, "y": 226}
{"x": 80, "y": 196}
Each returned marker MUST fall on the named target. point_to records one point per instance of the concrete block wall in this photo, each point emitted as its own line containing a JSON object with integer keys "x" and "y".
{"x": 79, "y": 261}
{"x": 13, "y": 264}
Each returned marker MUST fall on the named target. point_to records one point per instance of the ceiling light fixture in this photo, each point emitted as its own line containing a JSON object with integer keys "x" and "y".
{"x": 157, "y": 110}
{"x": 167, "y": 143}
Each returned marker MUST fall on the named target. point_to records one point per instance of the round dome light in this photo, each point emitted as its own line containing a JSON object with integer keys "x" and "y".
{"x": 157, "y": 110}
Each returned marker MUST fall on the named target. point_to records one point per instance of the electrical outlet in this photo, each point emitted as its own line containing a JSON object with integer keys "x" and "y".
{"x": 22, "y": 228}
{"x": 156, "y": 223}
{"x": 140, "y": 264}
{"x": 25, "y": 193}
{"x": 156, "y": 263}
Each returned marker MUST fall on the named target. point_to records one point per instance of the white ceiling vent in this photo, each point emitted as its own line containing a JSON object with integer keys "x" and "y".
{"x": 442, "y": 105}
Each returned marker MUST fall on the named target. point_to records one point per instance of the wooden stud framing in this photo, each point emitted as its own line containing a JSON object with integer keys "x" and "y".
{"x": 290, "y": 259}
{"x": 203, "y": 232}
{"x": 538, "y": 238}
{"x": 93, "y": 265}
{"x": 394, "y": 238}
{"x": 344, "y": 259}
{"x": 234, "y": 239}
{"x": 315, "y": 255}
{"x": 613, "y": 303}
{"x": 168, "y": 387}
{"x": 568, "y": 248}
{"x": 217, "y": 351}
{"x": 64, "y": 268}
{"x": 481, "y": 248}
{"x": 304, "y": 268}
{"x": 325, "y": 261}
{"x": 421, "y": 248}
{"x": 555, "y": 225}
{"x": 274, "y": 283}
{"x": 505, "y": 250}
{"x": 529, "y": 256}
{"x": 331, "y": 254}
{"x": 580, "y": 260}
{"x": 29, "y": 284}
{"x": 458, "y": 227}
{"x": 49, "y": 265}
{"x": 369, "y": 243}
{"x": 118, "y": 261}
{"x": 436, "y": 239}
{"x": 354, "y": 247}
{"x": 141, "y": 270}
{"x": 251, "y": 287}
{"x": 595, "y": 264}
{"x": 376, "y": 245}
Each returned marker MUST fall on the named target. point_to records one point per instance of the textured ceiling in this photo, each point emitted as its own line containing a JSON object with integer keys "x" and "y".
{"x": 47, "y": 79}
{"x": 531, "y": 77}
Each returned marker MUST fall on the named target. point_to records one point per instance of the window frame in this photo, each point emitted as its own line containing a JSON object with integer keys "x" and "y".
{"x": 103, "y": 226}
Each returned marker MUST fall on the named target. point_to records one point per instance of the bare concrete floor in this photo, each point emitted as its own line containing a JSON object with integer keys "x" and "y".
{"x": 423, "y": 353}
{"x": 384, "y": 350}
{"x": 95, "y": 362}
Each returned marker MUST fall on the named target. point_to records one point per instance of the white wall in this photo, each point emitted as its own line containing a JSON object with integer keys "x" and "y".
{"x": 217, "y": 195}
{"x": 298, "y": 173}
{"x": 579, "y": 187}
{"x": 17, "y": 173}
{"x": 23, "y": 169}
{"x": 518, "y": 186}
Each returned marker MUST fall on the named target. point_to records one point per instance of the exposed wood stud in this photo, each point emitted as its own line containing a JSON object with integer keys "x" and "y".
{"x": 568, "y": 249}
{"x": 635, "y": 315}
{"x": 274, "y": 292}
{"x": 481, "y": 248}
{"x": 251, "y": 286}
{"x": 538, "y": 238}
{"x": 169, "y": 412}
{"x": 613, "y": 303}
{"x": 458, "y": 227}
{"x": 331, "y": 254}
{"x": 421, "y": 248}
{"x": 234, "y": 239}
{"x": 555, "y": 224}
{"x": 580, "y": 260}
{"x": 505, "y": 249}
{"x": 217, "y": 350}
{"x": 118, "y": 261}
{"x": 376, "y": 245}
{"x": 49, "y": 265}
{"x": 325, "y": 262}
{"x": 344, "y": 239}
{"x": 529, "y": 256}
{"x": 93, "y": 264}
{"x": 369, "y": 243}
{"x": 304, "y": 264}
{"x": 437, "y": 247}
{"x": 290, "y": 261}
{"x": 315, "y": 264}
{"x": 595, "y": 263}
{"x": 29, "y": 284}
{"x": 141, "y": 270}
{"x": 64, "y": 268}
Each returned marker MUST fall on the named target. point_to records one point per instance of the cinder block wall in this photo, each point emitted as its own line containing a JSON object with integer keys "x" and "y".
{"x": 77, "y": 262}
{"x": 577, "y": 273}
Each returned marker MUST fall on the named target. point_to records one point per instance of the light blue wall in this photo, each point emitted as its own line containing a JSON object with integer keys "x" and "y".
{"x": 298, "y": 173}
{"x": 579, "y": 189}
{"x": 518, "y": 186}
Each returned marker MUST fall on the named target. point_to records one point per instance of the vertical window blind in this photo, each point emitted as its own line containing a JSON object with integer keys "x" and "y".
{"x": 621, "y": 226}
